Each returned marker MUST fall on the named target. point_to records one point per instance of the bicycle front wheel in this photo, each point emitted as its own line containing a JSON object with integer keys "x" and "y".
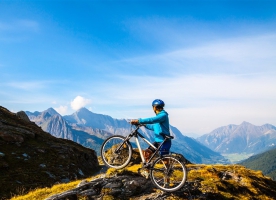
{"x": 168, "y": 173}
{"x": 116, "y": 152}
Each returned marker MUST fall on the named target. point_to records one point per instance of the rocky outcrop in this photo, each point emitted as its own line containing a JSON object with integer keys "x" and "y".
{"x": 205, "y": 182}
{"x": 122, "y": 186}
{"x": 22, "y": 115}
{"x": 31, "y": 158}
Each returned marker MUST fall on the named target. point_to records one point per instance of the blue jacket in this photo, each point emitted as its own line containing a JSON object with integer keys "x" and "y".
{"x": 158, "y": 124}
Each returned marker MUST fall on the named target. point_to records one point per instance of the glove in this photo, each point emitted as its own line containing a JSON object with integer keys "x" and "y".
{"x": 134, "y": 121}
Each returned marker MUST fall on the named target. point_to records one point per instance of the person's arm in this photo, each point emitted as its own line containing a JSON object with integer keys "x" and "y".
{"x": 153, "y": 120}
{"x": 148, "y": 126}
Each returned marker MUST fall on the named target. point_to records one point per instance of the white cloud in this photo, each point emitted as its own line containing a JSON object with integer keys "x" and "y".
{"x": 79, "y": 102}
{"x": 62, "y": 110}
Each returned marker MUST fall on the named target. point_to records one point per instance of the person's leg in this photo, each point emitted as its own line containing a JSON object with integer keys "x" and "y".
{"x": 149, "y": 151}
{"x": 165, "y": 148}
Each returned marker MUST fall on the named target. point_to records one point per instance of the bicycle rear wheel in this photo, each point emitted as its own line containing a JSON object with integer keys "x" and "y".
{"x": 115, "y": 152}
{"x": 168, "y": 173}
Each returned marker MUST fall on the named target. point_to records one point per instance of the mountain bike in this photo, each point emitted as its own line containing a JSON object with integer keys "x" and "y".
{"x": 167, "y": 172}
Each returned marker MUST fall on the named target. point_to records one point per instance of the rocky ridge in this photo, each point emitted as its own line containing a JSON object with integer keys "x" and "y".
{"x": 206, "y": 182}
{"x": 31, "y": 158}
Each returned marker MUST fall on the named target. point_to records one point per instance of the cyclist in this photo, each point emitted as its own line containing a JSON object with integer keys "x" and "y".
{"x": 160, "y": 125}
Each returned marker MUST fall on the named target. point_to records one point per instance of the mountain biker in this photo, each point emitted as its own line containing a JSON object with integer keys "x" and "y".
{"x": 160, "y": 125}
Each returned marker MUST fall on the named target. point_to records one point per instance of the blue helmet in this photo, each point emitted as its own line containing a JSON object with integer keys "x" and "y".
{"x": 158, "y": 102}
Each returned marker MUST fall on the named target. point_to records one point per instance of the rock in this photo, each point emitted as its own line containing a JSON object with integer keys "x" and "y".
{"x": 11, "y": 137}
{"x": 40, "y": 150}
{"x": 25, "y": 155}
{"x": 22, "y": 115}
{"x": 42, "y": 165}
{"x": 50, "y": 175}
{"x": 83, "y": 182}
{"x": 69, "y": 195}
{"x": 117, "y": 186}
{"x": 114, "y": 185}
{"x": 80, "y": 172}
{"x": 65, "y": 180}
{"x": 20, "y": 140}
{"x": 2, "y": 154}
{"x": 88, "y": 192}
{"x": 25, "y": 132}
{"x": 3, "y": 164}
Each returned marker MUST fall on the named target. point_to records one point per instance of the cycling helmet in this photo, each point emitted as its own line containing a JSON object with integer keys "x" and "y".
{"x": 158, "y": 102}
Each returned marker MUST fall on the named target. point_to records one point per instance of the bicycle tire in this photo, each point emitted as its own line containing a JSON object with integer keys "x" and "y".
{"x": 119, "y": 159}
{"x": 168, "y": 173}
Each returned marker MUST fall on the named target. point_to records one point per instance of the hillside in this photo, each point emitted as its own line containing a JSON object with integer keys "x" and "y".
{"x": 31, "y": 158}
{"x": 90, "y": 129}
{"x": 205, "y": 182}
{"x": 243, "y": 138}
{"x": 266, "y": 162}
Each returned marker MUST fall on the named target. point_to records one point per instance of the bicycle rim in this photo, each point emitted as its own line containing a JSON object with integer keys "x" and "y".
{"x": 112, "y": 155}
{"x": 168, "y": 173}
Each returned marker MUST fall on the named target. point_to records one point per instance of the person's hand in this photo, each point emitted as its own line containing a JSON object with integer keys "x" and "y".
{"x": 134, "y": 121}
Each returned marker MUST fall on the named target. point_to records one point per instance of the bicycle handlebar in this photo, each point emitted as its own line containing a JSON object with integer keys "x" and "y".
{"x": 138, "y": 125}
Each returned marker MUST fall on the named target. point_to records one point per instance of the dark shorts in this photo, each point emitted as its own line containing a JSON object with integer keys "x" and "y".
{"x": 165, "y": 148}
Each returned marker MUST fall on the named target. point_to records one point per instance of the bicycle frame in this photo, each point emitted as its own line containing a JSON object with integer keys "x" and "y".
{"x": 136, "y": 134}
{"x": 167, "y": 172}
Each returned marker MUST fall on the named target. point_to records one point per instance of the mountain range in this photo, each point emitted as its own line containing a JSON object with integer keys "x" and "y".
{"x": 90, "y": 129}
{"x": 243, "y": 138}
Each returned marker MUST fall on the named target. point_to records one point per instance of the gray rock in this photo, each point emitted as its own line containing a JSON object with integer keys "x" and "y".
{"x": 11, "y": 137}
{"x": 80, "y": 172}
{"x": 88, "y": 192}
{"x": 25, "y": 155}
{"x": 65, "y": 180}
{"x": 50, "y": 175}
{"x": 42, "y": 165}
{"x": 83, "y": 182}
{"x": 114, "y": 185}
{"x": 22, "y": 115}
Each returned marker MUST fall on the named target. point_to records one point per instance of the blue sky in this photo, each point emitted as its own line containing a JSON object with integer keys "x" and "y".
{"x": 212, "y": 62}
